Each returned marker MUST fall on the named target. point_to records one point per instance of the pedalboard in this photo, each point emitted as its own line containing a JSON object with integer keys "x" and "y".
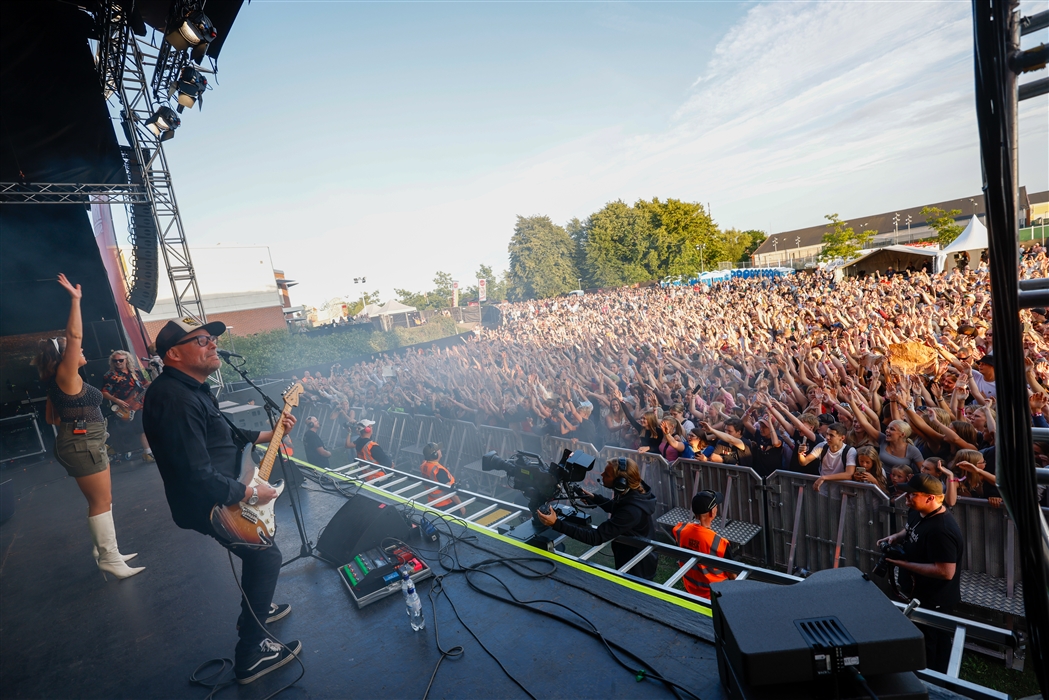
{"x": 374, "y": 574}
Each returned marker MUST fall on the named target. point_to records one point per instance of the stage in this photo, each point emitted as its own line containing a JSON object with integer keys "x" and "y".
{"x": 67, "y": 633}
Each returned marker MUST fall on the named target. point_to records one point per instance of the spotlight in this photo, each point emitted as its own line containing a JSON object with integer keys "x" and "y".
{"x": 163, "y": 123}
{"x": 190, "y": 87}
{"x": 193, "y": 30}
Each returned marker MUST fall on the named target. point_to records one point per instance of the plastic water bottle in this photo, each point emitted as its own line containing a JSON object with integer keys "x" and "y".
{"x": 413, "y": 603}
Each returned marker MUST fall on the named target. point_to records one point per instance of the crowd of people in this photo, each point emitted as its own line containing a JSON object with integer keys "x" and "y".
{"x": 870, "y": 379}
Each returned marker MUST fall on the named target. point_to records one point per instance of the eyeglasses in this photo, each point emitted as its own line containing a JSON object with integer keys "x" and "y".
{"x": 120, "y": 360}
{"x": 201, "y": 340}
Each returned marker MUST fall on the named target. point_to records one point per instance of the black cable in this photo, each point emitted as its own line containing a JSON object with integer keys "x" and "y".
{"x": 214, "y": 680}
{"x": 513, "y": 563}
{"x": 863, "y": 683}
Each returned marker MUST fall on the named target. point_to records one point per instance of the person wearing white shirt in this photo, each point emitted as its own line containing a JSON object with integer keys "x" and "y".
{"x": 837, "y": 460}
{"x": 983, "y": 376}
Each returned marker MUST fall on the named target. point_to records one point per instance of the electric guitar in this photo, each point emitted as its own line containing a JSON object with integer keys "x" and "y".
{"x": 134, "y": 403}
{"x": 254, "y": 526}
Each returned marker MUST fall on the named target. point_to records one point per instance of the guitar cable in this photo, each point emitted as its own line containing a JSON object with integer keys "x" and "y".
{"x": 215, "y": 681}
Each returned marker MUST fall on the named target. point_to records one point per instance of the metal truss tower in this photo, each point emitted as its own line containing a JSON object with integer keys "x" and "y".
{"x": 122, "y": 61}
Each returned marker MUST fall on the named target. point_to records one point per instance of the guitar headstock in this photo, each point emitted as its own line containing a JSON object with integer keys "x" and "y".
{"x": 291, "y": 396}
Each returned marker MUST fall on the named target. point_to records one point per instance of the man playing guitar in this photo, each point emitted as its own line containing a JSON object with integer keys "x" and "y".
{"x": 124, "y": 387}
{"x": 198, "y": 461}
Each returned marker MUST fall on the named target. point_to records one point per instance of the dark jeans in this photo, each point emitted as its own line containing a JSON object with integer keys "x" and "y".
{"x": 938, "y": 644}
{"x": 259, "y": 571}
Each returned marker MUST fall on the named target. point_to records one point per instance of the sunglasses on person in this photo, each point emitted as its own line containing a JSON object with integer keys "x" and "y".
{"x": 201, "y": 340}
{"x": 119, "y": 361}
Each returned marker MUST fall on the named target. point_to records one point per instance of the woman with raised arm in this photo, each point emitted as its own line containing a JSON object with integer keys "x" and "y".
{"x": 73, "y": 406}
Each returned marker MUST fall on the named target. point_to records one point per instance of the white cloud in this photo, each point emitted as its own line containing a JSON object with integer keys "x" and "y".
{"x": 804, "y": 109}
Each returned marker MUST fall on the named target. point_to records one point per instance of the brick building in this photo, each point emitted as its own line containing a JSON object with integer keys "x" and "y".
{"x": 238, "y": 286}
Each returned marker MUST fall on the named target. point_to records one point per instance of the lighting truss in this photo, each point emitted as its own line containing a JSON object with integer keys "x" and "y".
{"x": 71, "y": 193}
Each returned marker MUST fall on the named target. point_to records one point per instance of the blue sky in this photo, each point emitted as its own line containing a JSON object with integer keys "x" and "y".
{"x": 395, "y": 139}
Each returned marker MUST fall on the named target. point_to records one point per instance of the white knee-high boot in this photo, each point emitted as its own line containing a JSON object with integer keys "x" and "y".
{"x": 104, "y": 534}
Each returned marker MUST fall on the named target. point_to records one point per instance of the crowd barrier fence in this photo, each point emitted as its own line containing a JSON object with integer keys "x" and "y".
{"x": 801, "y": 529}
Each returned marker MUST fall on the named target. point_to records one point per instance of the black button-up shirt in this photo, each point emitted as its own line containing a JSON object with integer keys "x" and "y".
{"x": 193, "y": 446}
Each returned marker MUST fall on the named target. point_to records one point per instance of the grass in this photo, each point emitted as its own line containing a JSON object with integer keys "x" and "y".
{"x": 992, "y": 673}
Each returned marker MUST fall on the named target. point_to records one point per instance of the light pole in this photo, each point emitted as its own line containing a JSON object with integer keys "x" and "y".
{"x": 775, "y": 249}
{"x": 974, "y": 205}
{"x": 896, "y": 228}
{"x": 702, "y": 255}
{"x": 797, "y": 243}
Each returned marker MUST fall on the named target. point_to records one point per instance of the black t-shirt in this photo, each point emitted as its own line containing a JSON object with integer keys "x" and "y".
{"x": 933, "y": 539}
{"x": 733, "y": 455}
{"x": 586, "y": 431}
{"x": 766, "y": 458}
{"x": 313, "y": 441}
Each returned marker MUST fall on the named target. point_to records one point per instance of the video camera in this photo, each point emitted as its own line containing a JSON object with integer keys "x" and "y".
{"x": 888, "y": 551}
{"x": 538, "y": 482}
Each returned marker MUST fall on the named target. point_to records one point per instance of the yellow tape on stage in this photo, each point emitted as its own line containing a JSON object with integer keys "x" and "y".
{"x": 618, "y": 580}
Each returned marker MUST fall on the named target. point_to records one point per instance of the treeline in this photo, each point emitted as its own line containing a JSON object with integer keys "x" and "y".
{"x": 616, "y": 246}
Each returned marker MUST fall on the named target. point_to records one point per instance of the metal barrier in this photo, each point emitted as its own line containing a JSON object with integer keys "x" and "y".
{"x": 800, "y": 528}
{"x": 812, "y": 531}
{"x": 988, "y": 533}
{"x": 743, "y": 493}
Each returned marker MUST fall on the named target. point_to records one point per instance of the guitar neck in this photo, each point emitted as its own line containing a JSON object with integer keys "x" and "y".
{"x": 271, "y": 452}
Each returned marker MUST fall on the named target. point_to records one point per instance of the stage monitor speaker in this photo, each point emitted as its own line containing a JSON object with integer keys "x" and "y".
{"x": 774, "y": 639}
{"x": 20, "y": 437}
{"x": 360, "y": 525}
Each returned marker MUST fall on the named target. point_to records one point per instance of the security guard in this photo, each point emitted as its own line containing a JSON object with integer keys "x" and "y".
{"x": 369, "y": 450}
{"x": 433, "y": 470}
{"x": 698, "y": 536}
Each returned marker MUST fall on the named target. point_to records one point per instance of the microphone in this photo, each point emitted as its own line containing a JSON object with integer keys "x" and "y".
{"x": 226, "y": 354}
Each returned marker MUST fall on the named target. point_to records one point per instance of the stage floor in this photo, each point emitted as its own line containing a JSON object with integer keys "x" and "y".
{"x": 64, "y": 632}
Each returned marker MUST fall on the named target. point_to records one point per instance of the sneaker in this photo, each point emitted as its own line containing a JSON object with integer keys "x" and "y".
{"x": 269, "y": 657}
{"x": 277, "y": 612}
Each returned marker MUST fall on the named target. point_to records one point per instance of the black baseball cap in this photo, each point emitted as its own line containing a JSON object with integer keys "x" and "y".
{"x": 704, "y": 501}
{"x": 431, "y": 449}
{"x": 987, "y": 359}
{"x": 174, "y": 331}
{"x": 924, "y": 483}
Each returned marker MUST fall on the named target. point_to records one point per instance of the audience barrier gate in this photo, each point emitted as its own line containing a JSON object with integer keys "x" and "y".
{"x": 801, "y": 530}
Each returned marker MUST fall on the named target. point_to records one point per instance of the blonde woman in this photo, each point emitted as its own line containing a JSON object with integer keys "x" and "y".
{"x": 124, "y": 386}
{"x": 74, "y": 406}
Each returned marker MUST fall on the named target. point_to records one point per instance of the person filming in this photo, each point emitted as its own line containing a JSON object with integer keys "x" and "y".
{"x": 933, "y": 547}
{"x": 630, "y": 513}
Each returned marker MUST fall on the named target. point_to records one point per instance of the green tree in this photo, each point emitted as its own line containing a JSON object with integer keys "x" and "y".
{"x": 541, "y": 259}
{"x": 442, "y": 288}
{"x": 738, "y": 245}
{"x": 576, "y": 230}
{"x": 943, "y": 222}
{"x": 617, "y": 241}
{"x": 496, "y": 286}
{"x": 684, "y": 237}
{"x": 366, "y": 298}
{"x": 841, "y": 241}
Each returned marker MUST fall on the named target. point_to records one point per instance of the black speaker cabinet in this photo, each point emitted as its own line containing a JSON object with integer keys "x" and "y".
{"x": 360, "y": 525}
{"x": 805, "y": 639}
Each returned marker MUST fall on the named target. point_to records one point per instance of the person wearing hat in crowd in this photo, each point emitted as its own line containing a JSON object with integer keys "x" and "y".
{"x": 197, "y": 456}
{"x": 698, "y": 536}
{"x": 933, "y": 548}
{"x": 983, "y": 377}
{"x": 433, "y": 470}
{"x": 369, "y": 450}
{"x": 630, "y": 510}
{"x": 74, "y": 408}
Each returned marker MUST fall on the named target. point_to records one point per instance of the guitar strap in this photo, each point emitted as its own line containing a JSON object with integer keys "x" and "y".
{"x": 239, "y": 437}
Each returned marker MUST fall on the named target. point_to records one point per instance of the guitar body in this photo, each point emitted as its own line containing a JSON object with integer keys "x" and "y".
{"x": 128, "y": 414}
{"x": 254, "y": 526}
{"x": 241, "y": 524}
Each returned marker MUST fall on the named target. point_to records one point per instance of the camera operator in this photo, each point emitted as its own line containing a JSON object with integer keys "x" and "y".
{"x": 933, "y": 547}
{"x": 630, "y": 513}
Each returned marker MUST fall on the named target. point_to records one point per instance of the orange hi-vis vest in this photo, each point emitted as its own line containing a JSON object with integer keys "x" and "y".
{"x": 365, "y": 453}
{"x": 694, "y": 536}
{"x": 430, "y": 470}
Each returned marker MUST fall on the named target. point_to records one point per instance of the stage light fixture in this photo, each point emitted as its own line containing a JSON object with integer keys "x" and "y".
{"x": 193, "y": 30}
{"x": 190, "y": 87}
{"x": 163, "y": 123}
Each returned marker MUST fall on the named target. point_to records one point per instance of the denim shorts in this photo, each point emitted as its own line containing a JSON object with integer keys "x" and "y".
{"x": 82, "y": 455}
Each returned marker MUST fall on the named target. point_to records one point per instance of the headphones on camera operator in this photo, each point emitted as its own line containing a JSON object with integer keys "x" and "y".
{"x": 620, "y": 485}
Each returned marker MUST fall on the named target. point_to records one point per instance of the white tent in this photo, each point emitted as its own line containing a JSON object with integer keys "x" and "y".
{"x": 393, "y": 307}
{"x": 898, "y": 257}
{"x": 972, "y": 240}
{"x": 368, "y": 311}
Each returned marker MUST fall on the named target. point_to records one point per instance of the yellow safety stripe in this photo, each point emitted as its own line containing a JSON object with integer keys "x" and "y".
{"x": 626, "y": 583}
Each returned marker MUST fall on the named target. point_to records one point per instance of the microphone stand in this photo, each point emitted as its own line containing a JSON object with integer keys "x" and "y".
{"x": 292, "y": 476}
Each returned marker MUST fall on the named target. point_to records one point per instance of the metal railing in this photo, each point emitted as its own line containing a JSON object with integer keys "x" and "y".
{"x": 485, "y": 513}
